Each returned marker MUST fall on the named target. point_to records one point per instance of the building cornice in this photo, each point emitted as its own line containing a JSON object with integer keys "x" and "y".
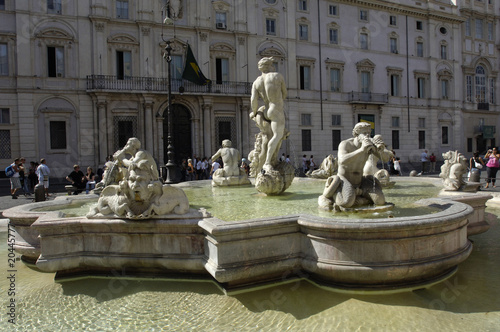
{"x": 406, "y": 10}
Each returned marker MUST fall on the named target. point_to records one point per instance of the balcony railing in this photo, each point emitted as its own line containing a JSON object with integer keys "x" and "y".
{"x": 483, "y": 106}
{"x": 367, "y": 97}
{"x": 153, "y": 84}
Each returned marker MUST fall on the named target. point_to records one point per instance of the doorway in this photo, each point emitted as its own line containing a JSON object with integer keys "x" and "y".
{"x": 181, "y": 136}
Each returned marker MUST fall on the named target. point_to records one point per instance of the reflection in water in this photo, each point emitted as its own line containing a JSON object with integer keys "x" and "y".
{"x": 470, "y": 300}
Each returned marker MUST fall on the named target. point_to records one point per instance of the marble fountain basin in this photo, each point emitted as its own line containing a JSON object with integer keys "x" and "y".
{"x": 374, "y": 253}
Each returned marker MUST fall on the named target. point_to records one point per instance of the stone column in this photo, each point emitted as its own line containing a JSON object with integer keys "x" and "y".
{"x": 207, "y": 129}
{"x": 102, "y": 130}
{"x": 148, "y": 125}
{"x": 245, "y": 136}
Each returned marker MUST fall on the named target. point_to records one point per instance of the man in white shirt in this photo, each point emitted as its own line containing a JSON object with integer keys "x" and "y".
{"x": 424, "y": 158}
{"x": 15, "y": 180}
{"x": 43, "y": 173}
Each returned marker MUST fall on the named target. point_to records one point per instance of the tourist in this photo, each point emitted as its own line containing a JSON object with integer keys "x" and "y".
{"x": 215, "y": 167}
{"x": 282, "y": 158}
{"x": 397, "y": 166}
{"x": 77, "y": 179}
{"x": 311, "y": 163}
{"x": 305, "y": 165}
{"x": 32, "y": 177}
{"x": 492, "y": 166}
{"x": 90, "y": 178}
{"x": 15, "y": 181}
{"x": 424, "y": 158}
{"x": 432, "y": 159}
{"x": 287, "y": 159}
{"x": 476, "y": 164}
{"x": 190, "y": 170}
{"x": 23, "y": 176}
{"x": 43, "y": 172}
{"x": 199, "y": 169}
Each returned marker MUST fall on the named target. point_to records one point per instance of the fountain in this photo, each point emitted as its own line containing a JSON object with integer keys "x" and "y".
{"x": 151, "y": 230}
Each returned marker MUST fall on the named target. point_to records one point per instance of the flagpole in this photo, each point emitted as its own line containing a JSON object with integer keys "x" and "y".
{"x": 170, "y": 166}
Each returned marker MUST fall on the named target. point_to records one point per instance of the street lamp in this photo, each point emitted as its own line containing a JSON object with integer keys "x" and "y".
{"x": 170, "y": 166}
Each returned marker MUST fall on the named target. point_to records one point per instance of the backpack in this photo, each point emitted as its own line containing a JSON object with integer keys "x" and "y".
{"x": 9, "y": 171}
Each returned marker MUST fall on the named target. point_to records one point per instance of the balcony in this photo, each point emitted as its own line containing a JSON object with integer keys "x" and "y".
{"x": 367, "y": 98}
{"x": 160, "y": 85}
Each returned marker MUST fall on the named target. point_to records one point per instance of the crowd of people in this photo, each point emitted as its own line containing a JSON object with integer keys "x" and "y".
{"x": 26, "y": 177}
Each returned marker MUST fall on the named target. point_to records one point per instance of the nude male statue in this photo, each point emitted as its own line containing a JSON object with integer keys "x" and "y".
{"x": 270, "y": 86}
{"x": 230, "y": 158}
{"x": 349, "y": 187}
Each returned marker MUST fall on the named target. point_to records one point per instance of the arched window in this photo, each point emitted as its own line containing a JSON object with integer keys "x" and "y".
{"x": 480, "y": 84}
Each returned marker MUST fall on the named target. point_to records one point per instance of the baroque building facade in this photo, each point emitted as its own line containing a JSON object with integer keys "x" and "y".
{"x": 81, "y": 77}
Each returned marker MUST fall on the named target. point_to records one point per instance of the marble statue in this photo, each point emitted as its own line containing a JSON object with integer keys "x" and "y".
{"x": 371, "y": 165}
{"x": 272, "y": 176}
{"x": 350, "y": 188}
{"x": 328, "y": 167}
{"x": 231, "y": 174}
{"x": 453, "y": 171}
{"x": 133, "y": 189}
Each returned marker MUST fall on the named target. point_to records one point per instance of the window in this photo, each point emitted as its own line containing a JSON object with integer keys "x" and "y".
{"x": 176, "y": 67}
{"x": 421, "y": 122}
{"x": 395, "y": 139}
{"x": 336, "y": 120}
{"x": 421, "y": 139}
{"x": 469, "y": 144}
{"x": 303, "y": 32}
{"x": 443, "y": 30}
{"x": 270, "y": 26}
{"x": 4, "y": 60}
{"x": 420, "y": 87}
{"x": 444, "y": 89}
{"x": 333, "y": 10}
{"x": 444, "y": 52}
{"x": 125, "y": 128}
{"x": 335, "y": 139}
{"x": 305, "y": 77}
{"x": 395, "y": 121}
{"x": 55, "y": 63}
{"x": 468, "y": 80}
{"x": 395, "y": 85}
{"x": 123, "y": 65}
{"x": 419, "y": 25}
{"x": 479, "y": 28}
{"x": 306, "y": 140}
{"x": 5, "y": 150}
{"x": 224, "y": 130}
{"x": 394, "y": 45}
{"x": 467, "y": 28}
{"x": 221, "y": 70}
{"x": 363, "y": 41}
{"x": 480, "y": 85}
{"x": 492, "y": 91}
{"x": 335, "y": 80}
{"x": 2, "y": 4}
{"x": 53, "y": 6}
{"x": 365, "y": 81}
{"x": 303, "y": 5}
{"x": 393, "y": 20}
{"x": 490, "y": 31}
{"x": 420, "y": 49}
{"x": 444, "y": 135}
{"x": 4, "y": 115}
{"x": 305, "y": 119}
{"x": 363, "y": 15}
{"x": 220, "y": 20}
{"x": 122, "y": 9}
{"x": 334, "y": 36}
{"x": 57, "y": 135}
{"x": 271, "y": 2}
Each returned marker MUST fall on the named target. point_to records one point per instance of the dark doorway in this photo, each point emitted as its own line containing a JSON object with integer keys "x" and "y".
{"x": 181, "y": 137}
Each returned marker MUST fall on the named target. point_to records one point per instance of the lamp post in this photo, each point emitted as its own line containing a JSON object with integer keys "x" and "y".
{"x": 170, "y": 166}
